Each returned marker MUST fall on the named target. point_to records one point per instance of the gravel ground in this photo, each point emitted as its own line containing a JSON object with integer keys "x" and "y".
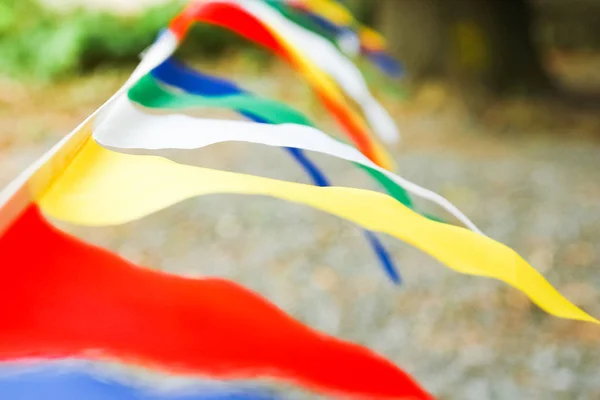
{"x": 461, "y": 337}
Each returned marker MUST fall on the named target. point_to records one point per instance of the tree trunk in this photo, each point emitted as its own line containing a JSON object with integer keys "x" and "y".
{"x": 482, "y": 45}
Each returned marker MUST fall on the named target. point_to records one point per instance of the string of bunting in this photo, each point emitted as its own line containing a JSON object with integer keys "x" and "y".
{"x": 69, "y": 299}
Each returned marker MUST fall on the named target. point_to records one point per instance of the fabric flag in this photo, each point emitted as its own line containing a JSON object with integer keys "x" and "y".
{"x": 333, "y": 29}
{"x": 69, "y": 299}
{"x": 328, "y": 58}
{"x": 48, "y": 383}
{"x": 124, "y": 126}
{"x": 345, "y": 39}
{"x": 330, "y": 10}
{"x": 207, "y": 91}
{"x": 335, "y": 18}
{"x": 314, "y": 140}
{"x": 101, "y": 187}
{"x": 240, "y": 18}
{"x": 173, "y": 73}
{"x": 304, "y": 20}
{"x": 201, "y": 90}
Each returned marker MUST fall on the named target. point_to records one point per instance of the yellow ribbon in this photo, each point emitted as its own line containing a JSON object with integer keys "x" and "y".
{"x": 330, "y": 10}
{"x": 101, "y": 187}
{"x": 371, "y": 39}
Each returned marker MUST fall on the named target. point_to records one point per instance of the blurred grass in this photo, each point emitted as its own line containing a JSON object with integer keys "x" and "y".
{"x": 39, "y": 43}
{"x": 44, "y": 45}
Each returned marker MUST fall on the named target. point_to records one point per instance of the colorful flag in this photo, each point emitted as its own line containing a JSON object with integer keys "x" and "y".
{"x": 337, "y": 21}
{"x": 62, "y": 298}
{"x": 245, "y": 19}
{"x": 71, "y": 299}
{"x": 199, "y": 90}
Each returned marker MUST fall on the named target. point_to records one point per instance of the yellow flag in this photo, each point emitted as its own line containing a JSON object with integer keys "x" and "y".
{"x": 101, "y": 187}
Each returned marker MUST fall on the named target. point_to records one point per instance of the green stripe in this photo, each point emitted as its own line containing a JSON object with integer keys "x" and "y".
{"x": 394, "y": 190}
{"x": 149, "y": 93}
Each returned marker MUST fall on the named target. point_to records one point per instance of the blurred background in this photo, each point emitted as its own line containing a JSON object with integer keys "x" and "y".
{"x": 500, "y": 113}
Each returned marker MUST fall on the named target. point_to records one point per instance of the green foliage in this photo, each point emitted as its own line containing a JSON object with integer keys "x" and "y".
{"x": 39, "y": 43}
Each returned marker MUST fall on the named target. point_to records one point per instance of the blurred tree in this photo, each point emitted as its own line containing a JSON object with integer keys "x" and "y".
{"x": 483, "y": 45}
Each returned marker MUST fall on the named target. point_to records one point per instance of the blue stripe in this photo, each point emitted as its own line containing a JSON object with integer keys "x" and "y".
{"x": 327, "y": 24}
{"x": 386, "y": 63}
{"x": 176, "y": 74}
{"x": 49, "y": 384}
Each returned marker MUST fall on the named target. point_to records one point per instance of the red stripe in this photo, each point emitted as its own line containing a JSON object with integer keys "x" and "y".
{"x": 60, "y": 297}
